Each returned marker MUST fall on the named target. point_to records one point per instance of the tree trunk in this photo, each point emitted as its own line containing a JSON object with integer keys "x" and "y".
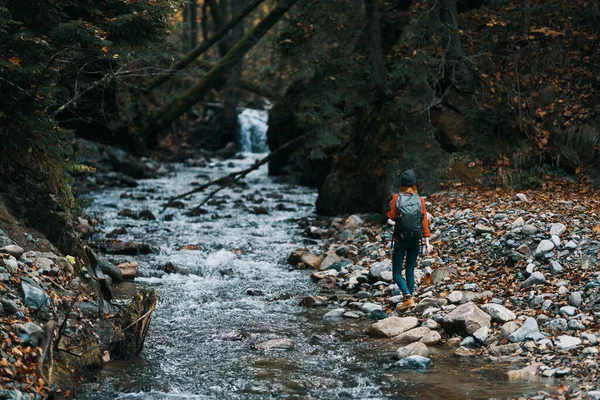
{"x": 456, "y": 70}
{"x": 204, "y": 46}
{"x": 193, "y": 24}
{"x": 185, "y": 37}
{"x": 184, "y": 102}
{"x": 204, "y": 21}
{"x": 373, "y": 35}
{"x": 525, "y": 17}
{"x": 232, "y": 93}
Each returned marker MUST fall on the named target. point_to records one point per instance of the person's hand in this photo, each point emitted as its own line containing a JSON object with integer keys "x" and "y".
{"x": 427, "y": 248}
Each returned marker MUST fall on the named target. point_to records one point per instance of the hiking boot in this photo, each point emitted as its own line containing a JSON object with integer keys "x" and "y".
{"x": 406, "y": 304}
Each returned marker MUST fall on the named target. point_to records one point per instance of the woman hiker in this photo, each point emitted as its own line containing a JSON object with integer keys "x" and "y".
{"x": 408, "y": 211}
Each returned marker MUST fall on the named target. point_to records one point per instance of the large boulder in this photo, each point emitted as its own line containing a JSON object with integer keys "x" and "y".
{"x": 413, "y": 335}
{"x": 392, "y": 326}
{"x": 498, "y": 312}
{"x": 465, "y": 320}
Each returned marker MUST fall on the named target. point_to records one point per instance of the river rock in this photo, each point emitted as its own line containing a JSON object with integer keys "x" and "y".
{"x": 528, "y": 229}
{"x": 522, "y": 197}
{"x": 464, "y": 352}
{"x": 33, "y": 295}
{"x": 545, "y": 246}
{"x": 34, "y": 333}
{"x": 431, "y": 338}
{"x": 528, "y": 372}
{"x": 147, "y": 214}
{"x": 110, "y": 269}
{"x": 537, "y": 278}
{"x": 304, "y": 258}
{"x": 376, "y": 270}
{"x": 128, "y": 269}
{"x": 429, "y": 302}
{"x": 11, "y": 264}
{"x": 571, "y": 245}
{"x": 127, "y": 248}
{"x": 480, "y": 229}
{"x": 498, "y": 312}
{"x": 392, "y": 326}
{"x": 455, "y": 297}
{"x": 328, "y": 261}
{"x": 412, "y": 335}
{"x": 414, "y": 362}
{"x": 465, "y": 320}
{"x": 575, "y": 299}
{"x": 508, "y": 328}
{"x": 13, "y": 250}
{"x": 313, "y": 301}
{"x": 557, "y": 229}
{"x": 335, "y": 314}
{"x": 555, "y": 268}
{"x": 431, "y": 324}
{"x": 367, "y": 308}
{"x": 342, "y": 251}
{"x": 529, "y": 331}
{"x": 589, "y": 338}
{"x": 575, "y": 325}
{"x": 481, "y": 334}
{"x": 519, "y": 222}
{"x": 569, "y": 311}
{"x": 10, "y": 306}
{"x": 442, "y": 273}
{"x": 413, "y": 349}
{"x": 505, "y": 349}
{"x": 275, "y": 344}
{"x": 556, "y": 325}
{"x": 565, "y": 342}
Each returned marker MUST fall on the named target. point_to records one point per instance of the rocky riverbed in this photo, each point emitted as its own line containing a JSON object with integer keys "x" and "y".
{"x": 513, "y": 277}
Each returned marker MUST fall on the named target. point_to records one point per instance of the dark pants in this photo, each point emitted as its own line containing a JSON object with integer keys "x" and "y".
{"x": 408, "y": 249}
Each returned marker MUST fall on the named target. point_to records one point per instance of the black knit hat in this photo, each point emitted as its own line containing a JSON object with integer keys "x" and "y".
{"x": 408, "y": 178}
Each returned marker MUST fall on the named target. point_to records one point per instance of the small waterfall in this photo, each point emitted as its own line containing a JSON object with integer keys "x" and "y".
{"x": 253, "y": 126}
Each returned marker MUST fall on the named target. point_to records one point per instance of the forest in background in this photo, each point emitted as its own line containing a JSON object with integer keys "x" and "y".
{"x": 488, "y": 92}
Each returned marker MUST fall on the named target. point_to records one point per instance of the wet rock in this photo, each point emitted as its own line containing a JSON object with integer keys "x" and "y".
{"x": 128, "y": 269}
{"x": 455, "y": 297}
{"x": 313, "y": 301}
{"x": 557, "y": 229}
{"x": 33, "y": 295}
{"x": 545, "y": 246}
{"x": 304, "y": 258}
{"x": 335, "y": 314}
{"x": 110, "y": 269}
{"x": 275, "y": 344}
{"x": 260, "y": 210}
{"x": 504, "y": 350}
{"x": 392, "y": 326}
{"x": 413, "y": 349}
{"x": 453, "y": 342}
{"x": 470, "y": 343}
{"x": 528, "y": 372}
{"x": 529, "y": 331}
{"x": 575, "y": 299}
{"x": 412, "y": 335}
{"x": 465, "y": 320}
{"x": 13, "y": 250}
{"x": 498, "y": 312}
{"x": 127, "y": 248}
{"x": 126, "y": 212}
{"x": 171, "y": 268}
{"x": 378, "y": 314}
{"x": 565, "y": 342}
{"x": 537, "y": 278}
{"x": 414, "y": 362}
{"x": 147, "y": 214}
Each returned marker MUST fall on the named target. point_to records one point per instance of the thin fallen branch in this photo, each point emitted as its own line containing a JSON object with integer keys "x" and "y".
{"x": 229, "y": 179}
{"x": 47, "y": 349}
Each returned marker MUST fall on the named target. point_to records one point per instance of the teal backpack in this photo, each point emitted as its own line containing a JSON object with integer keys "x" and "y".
{"x": 409, "y": 217}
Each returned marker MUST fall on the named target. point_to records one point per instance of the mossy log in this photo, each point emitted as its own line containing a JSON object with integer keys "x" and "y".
{"x": 134, "y": 322}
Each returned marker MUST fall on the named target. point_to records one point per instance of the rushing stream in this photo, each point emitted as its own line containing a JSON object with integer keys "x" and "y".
{"x": 200, "y": 342}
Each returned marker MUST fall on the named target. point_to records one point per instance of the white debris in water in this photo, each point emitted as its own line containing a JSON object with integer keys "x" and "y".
{"x": 253, "y": 125}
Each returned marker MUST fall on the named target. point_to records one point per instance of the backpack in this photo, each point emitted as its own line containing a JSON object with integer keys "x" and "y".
{"x": 409, "y": 220}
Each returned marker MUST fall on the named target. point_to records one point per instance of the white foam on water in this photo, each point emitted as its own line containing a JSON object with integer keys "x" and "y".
{"x": 253, "y": 125}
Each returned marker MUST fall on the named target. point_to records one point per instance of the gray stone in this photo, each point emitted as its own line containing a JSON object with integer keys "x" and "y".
{"x": 32, "y": 330}
{"x": 455, "y": 297}
{"x": 10, "y": 306}
{"x": 33, "y": 295}
{"x": 481, "y": 334}
{"x": 522, "y": 197}
{"x": 342, "y": 251}
{"x": 351, "y": 315}
{"x": 529, "y": 331}
{"x": 557, "y": 229}
{"x": 469, "y": 342}
{"x": 11, "y": 265}
{"x": 376, "y": 270}
{"x": 465, "y": 320}
{"x": 431, "y": 324}
{"x": 555, "y": 268}
{"x": 367, "y": 308}
{"x": 594, "y": 394}
{"x": 571, "y": 245}
{"x": 498, "y": 312}
{"x": 556, "y": 325}
{"x": 537, "y": 278}
{"x": 555, "y": 240}
{"x": 13, "y": 250}
{"x": 529, "y": 269}
{"x": 110, "y": 269}
{"x": 480, "y": 228}
{"x": 392, "y": 326}
{"x": 575, "y": 325}
{"x": 329, "y": 261}
{"x": 508, "y": 328}
{"x": 413, "y": 349}
{"x": 566, "y": 342}
{"x": 504, "y": 350}
{"x": 442, "y": 273}
{"x": 275, "y": 344}
{"x": 431, "y": 338}
{"x": 545, "y": 246}
{"x": 528, "y": 229}
{"x": 524, "y": 373}
{"x": 590, "y": 351}
{"x": 411, "y": 336}
{"x": 470, "y": 286}
{"x": 428, "y": 303}
{"x": 519, "y": 222}
{"x": 575, "y": 299}
{"x": 589, "y": 337}
{"x": 414, "y": 362}
{"x": 387, "y": 276}
{"x": 568, "y": 311}
{"x": 335, "y": 314}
